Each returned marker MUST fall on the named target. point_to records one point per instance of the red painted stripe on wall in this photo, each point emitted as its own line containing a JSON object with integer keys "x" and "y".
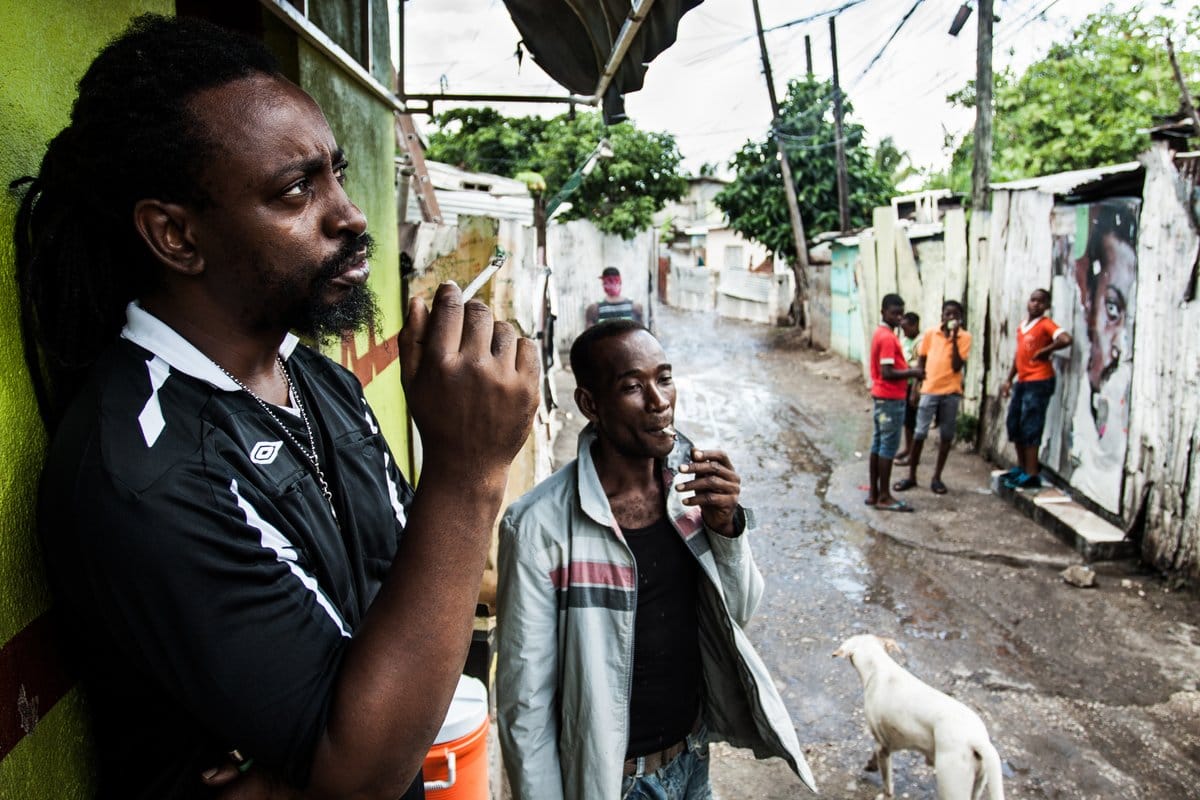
{"x": 379, "y": 356}
{"x": 32, "y": 680}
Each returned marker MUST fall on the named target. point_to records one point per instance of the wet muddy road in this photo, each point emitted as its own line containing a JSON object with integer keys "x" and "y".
{"x": 1086, "y": 693}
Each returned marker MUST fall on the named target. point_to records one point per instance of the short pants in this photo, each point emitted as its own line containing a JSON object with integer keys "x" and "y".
{"x": 1027, "y": 411}
{"x": 945, "y": 406}
{"x": 888, "y": 416}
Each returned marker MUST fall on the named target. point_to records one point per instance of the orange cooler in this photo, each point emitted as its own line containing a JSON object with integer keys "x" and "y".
{"x": 457, "y": 765}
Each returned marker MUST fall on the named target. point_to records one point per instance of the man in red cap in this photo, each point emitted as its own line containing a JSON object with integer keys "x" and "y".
{"x": 614, "y": 305}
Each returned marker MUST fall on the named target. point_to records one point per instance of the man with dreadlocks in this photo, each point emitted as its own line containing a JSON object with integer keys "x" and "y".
{"x": 259, "y": 603}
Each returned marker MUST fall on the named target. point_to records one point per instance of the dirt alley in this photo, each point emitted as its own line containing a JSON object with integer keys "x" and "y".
{"x": 1087, "y": 693}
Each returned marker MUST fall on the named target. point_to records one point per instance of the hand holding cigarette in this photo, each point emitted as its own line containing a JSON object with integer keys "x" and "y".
{"x": 483, "y": 277}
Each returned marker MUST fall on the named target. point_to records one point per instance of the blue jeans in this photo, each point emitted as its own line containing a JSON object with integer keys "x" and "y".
{"x": 685, "y": 778}
{"x": 1027, "y": 411}
{"x": 888, "y": 416}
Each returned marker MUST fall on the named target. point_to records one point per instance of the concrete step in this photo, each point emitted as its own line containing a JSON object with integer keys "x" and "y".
{"x": 1093, "y": 537}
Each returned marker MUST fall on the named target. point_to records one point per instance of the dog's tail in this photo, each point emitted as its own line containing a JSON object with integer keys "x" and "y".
{"x": 992, "y": 773}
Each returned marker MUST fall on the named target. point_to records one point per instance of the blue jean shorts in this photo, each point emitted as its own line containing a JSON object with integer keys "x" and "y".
{"x": 888, "y": 416}
{"x": 685, "y": 777}
{"x": 945, "y": 406}
{"x": 1027, "y": 411}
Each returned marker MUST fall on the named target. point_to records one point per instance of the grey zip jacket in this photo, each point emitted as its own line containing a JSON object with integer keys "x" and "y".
{"x": 567, "y": 596}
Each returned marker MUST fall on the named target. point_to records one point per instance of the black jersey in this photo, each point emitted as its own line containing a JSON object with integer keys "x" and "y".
{"x": 208, "y": 590}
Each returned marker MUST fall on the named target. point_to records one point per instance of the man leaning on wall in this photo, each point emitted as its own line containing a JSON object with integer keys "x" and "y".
{"x": 259, "y": 603}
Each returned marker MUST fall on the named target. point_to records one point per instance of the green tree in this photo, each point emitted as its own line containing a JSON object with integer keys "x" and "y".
{"x": 893, "y": 162}
{"x": 619, "y": 196}
{"x": 1082, "y": 105}
{"x": 755, "y": 201}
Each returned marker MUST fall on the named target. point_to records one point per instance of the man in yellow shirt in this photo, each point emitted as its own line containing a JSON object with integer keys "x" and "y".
{"x": 943, "y": 355}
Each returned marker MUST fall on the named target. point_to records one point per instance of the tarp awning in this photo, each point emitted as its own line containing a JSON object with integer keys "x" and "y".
{"x": 573, "y": 39}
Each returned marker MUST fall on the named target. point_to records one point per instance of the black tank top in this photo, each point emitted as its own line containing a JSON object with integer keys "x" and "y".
{"x": 665, "y": 698}
{"x": 622, "y": 309}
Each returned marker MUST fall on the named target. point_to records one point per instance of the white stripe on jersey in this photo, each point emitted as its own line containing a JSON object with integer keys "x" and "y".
{"x": 367, "y": 414}
{"x": 394, "y": 492}
{"x": 275, "y": 541}
{"x": 151, "y": 418}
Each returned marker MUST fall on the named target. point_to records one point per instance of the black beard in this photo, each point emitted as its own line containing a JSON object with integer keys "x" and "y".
{"x": 324, "y": 322}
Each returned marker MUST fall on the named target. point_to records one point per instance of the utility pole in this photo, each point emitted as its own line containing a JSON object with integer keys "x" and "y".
{"x": 800, "y": 267}
{"x": 840, "y": 143}
{"x": 982, "y": 170}
{"x": 808, "y": 55}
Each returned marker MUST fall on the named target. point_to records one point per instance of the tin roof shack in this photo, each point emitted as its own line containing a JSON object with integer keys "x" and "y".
{"x": 1117, "y": 246}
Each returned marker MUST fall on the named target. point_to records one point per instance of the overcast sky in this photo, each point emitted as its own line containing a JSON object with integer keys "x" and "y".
{"x": 708, "y": 89}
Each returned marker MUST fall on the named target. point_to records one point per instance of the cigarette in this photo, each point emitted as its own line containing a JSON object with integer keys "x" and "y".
{"x": 669, "y": 430}
{"x": 491, "y": 269}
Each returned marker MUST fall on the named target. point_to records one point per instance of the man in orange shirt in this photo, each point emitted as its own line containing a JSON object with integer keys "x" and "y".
{"x": 943, "y": 355}
{"x": 1037, "y": 338}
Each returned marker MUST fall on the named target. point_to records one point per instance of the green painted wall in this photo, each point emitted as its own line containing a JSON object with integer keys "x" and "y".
{"x": 44, "y": 49}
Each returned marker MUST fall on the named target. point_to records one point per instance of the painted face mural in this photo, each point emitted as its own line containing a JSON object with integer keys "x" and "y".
{"x": 1095, "y": 275}
{"x": 1106, "y": 275}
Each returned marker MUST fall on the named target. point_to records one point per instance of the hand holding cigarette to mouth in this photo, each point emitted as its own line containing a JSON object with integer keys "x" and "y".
{"x": 717, "y": 489}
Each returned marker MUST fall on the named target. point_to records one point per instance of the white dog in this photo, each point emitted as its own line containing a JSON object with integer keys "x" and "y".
{"x": 905, "y": 713}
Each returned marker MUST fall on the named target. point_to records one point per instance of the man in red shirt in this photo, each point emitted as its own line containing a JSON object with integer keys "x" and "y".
{"x": 889, "y": 388}
{"x": 1037, "y": 338}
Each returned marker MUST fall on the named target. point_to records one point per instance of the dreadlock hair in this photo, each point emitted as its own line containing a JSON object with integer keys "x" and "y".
{"x": 80, "y": 259}
{"x": 583, "y": 359}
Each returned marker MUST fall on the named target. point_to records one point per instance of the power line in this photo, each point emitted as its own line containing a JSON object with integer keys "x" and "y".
{"x": 1040, "y": 15}
{"x": 879, "y": 55}
{"x": 814, "y": 17}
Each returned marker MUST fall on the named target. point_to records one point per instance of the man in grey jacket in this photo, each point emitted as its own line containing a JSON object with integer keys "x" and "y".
{"x": 621, "y": 602}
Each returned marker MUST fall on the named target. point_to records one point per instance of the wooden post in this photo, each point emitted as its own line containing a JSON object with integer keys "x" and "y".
{"x": 840, "y": 144}
{"x": 800, "y": 266}
{"x": 808, "y": 55}
{"x": 982, "y": 169}
{"x": 539, "y": 225}
{"x": 406, "y": 134}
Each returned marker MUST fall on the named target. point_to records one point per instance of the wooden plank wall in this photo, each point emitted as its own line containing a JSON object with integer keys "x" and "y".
{"x": 1020, "y": 259}
{"x": 1162, "y": 472}
{"x": 978, "y": 281}
{"x": 920, "y": 272}
{"x": 865, "y": 275}
{"x": 1010, "y": 253}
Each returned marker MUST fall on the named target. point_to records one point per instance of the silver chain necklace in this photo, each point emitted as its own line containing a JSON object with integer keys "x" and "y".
{"x": 311, "y": 453}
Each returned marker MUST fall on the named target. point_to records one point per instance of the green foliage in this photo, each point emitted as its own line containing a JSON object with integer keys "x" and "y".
{"x": 893, "y": 162}
{"x": 755, "y": 202}
{"x": 1082, "y": 105}
{"x": 966, "y": 428}
{"x": 533, "y": 181}
{"x": 620, "y": 195}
